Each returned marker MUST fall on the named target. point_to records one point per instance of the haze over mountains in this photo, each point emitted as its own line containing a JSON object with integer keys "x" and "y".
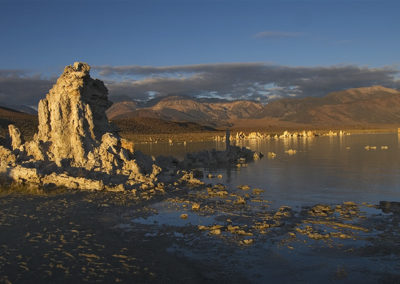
{"x": 358, "y": 106}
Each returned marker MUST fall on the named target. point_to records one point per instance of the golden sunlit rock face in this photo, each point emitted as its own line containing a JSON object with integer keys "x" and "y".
{"x": 72, "y": 116}
{"x": 75, "y": 145}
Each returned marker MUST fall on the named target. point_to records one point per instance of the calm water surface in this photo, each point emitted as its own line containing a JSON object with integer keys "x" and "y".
{"x": 324, "y": 169}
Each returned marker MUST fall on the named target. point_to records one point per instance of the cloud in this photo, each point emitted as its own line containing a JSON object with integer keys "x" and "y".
{"x": 18, "y": 87}
{"x": 10, "y": 73}
{"x": 277, "y": 34}
{"x": 257, "y": 81}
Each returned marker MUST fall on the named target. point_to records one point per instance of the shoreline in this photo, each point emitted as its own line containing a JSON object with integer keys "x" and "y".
{"x": 210, "y": 135}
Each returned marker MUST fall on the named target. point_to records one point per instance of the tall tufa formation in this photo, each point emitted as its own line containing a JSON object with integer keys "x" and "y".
{"x": 72, "y": 116}
{"x": 75, "y": 146}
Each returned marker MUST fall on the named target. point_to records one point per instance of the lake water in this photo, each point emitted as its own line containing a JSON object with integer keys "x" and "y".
{"x": 323, "y": 170}
{"x": 290, "y": 237}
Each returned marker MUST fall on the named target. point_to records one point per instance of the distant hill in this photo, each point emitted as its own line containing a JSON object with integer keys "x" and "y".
{"x": 20, "y": 108}
{"x": 212, "y": 113}
{"x": 120, "y": 109}
{"x": 366, "y": 106}
{"x": 148, "y": 125}
{"x": 27, "y": 123}
{"x": 370, "y": 105}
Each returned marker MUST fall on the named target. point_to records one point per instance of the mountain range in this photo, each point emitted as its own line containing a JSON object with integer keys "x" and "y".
{"x": 374, "y": 105}
{"x": 366, "y": 107}
{"x": 214, "y": 113}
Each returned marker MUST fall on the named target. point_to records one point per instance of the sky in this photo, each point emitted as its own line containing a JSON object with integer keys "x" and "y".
{"x": 234, "y": 49}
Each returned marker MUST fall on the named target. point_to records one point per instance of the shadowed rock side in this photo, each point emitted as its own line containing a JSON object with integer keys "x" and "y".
{"x": 76, "y": 146}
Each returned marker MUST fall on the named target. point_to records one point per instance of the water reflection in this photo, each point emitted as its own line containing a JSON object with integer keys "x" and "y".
{"x": 398, "y": 139}
{"x": 332, "y": 169}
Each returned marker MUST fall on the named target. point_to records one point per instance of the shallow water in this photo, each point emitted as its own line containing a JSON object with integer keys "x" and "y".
{"x": 291, "y": 240}
{"x": 323, "y": 170}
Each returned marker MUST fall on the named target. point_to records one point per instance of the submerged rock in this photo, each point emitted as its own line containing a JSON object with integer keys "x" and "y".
{"x": 214, "y": 158}
{"x": 390, "y": 207}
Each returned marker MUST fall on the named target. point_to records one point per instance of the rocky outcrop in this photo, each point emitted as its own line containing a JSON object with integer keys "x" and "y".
{"x": 15, "y": 136}
{"x": 72, "y": 116}
{"x": 76, "y": 147}
{"x": 7, "y": 157}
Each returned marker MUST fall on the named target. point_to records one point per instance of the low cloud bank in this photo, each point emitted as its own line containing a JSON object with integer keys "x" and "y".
{"x": 256, "y": 81}
{"x": 18, "y": 87}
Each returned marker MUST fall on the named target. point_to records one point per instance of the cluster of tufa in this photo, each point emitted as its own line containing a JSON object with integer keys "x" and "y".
{"x": 76, "y": 147}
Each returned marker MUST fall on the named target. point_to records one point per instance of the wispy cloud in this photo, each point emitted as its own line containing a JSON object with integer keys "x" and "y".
{"x": 277, "y": 34}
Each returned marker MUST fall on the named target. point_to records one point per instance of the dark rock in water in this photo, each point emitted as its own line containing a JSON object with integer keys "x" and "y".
{"x": 235, "y": 155}
{"x": 390, "y": 207}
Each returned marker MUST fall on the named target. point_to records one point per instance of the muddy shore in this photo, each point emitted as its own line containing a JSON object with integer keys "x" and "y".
{"x": 206, "y": 234}
{"x": 67, "y": 236}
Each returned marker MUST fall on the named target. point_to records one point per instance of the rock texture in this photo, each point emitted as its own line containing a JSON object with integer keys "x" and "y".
{"x": 15, "y": 136}
{"x": 72, "y": 116}
{"x": 76, "y": 147}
